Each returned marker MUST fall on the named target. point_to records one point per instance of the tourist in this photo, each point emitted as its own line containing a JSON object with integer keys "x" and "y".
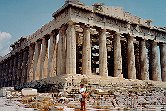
{"x": 82, "y": 96}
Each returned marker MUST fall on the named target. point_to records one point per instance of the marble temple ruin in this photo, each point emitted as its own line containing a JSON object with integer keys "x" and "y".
{"x": 89, "y": 40}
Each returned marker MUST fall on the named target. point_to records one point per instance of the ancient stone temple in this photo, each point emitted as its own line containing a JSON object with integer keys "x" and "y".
{"x": 98, "y": 40}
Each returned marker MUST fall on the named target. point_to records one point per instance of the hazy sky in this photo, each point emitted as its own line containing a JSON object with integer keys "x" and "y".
{"x": 23, "y": 17}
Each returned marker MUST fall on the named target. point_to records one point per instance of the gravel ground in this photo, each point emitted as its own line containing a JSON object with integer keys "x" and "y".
{"x": 7, "y": 105}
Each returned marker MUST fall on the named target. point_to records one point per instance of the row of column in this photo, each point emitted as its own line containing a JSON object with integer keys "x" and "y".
{"x": 40, "y": 61}
{"x": 42, "y": 58}
{"x": 13, "y": 71}
{"x": 103, "y": 69}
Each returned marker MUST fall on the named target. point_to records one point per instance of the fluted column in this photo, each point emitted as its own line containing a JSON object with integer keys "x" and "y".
{"x": 54, "y": 60}
{"x": 154, "y": 62}
{"x": 20, "y": 66}
{"x": 3, "y": 67}
{"x": 103, "y": 71}
{"x": 61, "y": 57}
{"x": 163, "y": 61}
{"x": 86, "y": 54}
{"x": 36, "y": 61}
{"x": 1, "y": 74}
{"x": 11, "y": 70}
{"x": 131, "y": 58}
{"x": 25, "y": 65}
{"x": 7, "y": 72}
{"x": 143, "y": 61}
{"x": 44, "y": 58}
{"x": 117, "y": 55}
{"x": 52, "y": 56}
{"x": 15, "y": 69}
{"x": 30, "y": 62}
{"x": 71, "y": 49}
{"x": 5, "y": 75}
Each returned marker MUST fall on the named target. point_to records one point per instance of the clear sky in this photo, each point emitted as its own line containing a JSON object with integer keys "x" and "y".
{"x": 23, "y": 17}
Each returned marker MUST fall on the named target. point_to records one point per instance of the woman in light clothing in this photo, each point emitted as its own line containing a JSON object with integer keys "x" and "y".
{"x": 82, "y": 96}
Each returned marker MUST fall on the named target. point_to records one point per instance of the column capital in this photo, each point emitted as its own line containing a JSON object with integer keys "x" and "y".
{"x": 153, "y": 42}
{"x": 102, "y": 30}
{"x": 43, "y": 38}
{"x": 32, "y": 44}
{"x": 85, "y": 26}
{"x": 117, "y": 33}
{"x": 142, "y": 39}
{"x": 54, "y": 32}
{"x": 62, "y": 29}
{"x": 38, "y": 41}
{"x": 99, "y": 29}
{"x": 70, "y": 23}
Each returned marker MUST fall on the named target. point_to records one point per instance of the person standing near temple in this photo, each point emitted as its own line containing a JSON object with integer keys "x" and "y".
{"x": 82, "y": 96}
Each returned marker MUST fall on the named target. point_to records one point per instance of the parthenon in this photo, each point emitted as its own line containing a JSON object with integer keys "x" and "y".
{"x": 89, "y": 40}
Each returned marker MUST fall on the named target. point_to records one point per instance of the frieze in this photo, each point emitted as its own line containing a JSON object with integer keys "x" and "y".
{"x": 99, "y": 20}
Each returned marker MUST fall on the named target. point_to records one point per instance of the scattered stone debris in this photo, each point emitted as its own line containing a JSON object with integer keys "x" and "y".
{"x": 115, "y": 96}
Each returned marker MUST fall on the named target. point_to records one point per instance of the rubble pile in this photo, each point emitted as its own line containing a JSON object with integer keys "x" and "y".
{"x": 126, "y": 97}
{"x": 114, "y": 95}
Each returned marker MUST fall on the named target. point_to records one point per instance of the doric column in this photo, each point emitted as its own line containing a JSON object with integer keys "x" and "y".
{"x": 54, "y": 60}
{"x": 51, "y": 52}
{"x": 15, "y": 69}
{"x": 143, "y": 61}
{"x": 103, "y": 71}
{"x": 4, "y": 72}
{"x": 131, "y": 58}
{"x": 61, "y": 57}
{"x": 163, "y": 61}
{"x": 86, "y": 51}
{"x": 36, "y": 61}
{"x": 44, "y": 58}
{"x": 8, "y": 71}
{"x": 3, "y": 65}
{"x": 52, "y": 56}
{"x": 71, "y": 49}
{"x": 117, "y": 55}
{"x": 20, "y": 63}
{"x": 154, "y": 62}
{"x": 25, "y": 65}
{"x": 11, "y": 70}
{"x": 30, "y": 62}
{"x": 1, "y": 74}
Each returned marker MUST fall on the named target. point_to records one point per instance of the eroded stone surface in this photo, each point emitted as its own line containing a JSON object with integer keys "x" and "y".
{"x": 80, "y": 41}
